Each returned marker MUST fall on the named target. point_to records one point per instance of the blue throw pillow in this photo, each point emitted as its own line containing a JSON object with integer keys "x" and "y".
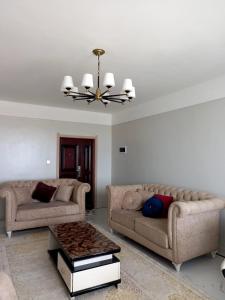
{"x": 153, "y": 208}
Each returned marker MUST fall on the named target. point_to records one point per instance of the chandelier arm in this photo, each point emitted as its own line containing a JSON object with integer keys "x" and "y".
{"x": 102, "y": 94}
{"x": 78, "y": 94}
{"x": 81, "y": 99}
{"x": 116, "y": 95}
{"x": 118, "y": 99}
{"x": 91, "y": 93}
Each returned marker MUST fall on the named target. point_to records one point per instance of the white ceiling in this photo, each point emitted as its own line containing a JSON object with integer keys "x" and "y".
{"x": 163, "y": 45}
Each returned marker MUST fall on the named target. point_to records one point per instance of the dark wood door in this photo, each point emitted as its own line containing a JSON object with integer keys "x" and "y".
{"x": 76, "y": 160}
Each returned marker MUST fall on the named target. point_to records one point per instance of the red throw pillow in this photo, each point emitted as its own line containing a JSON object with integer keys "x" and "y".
{"x": 43, "y": 192}
{"x": 167, "y": 200}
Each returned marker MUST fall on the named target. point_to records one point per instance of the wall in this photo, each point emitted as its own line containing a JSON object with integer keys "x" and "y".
{"x": 26, "y": 144}
{"x": 185, "y": 147}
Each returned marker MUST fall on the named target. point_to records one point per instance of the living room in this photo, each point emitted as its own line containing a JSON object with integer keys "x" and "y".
{"x": 153, "y": 127}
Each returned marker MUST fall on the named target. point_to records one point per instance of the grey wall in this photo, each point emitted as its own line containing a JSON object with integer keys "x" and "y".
{"x": 185, "y": 147}
{"x": 26, "y": 144}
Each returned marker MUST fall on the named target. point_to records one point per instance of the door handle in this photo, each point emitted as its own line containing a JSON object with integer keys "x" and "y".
{"x": 78, "y": 170}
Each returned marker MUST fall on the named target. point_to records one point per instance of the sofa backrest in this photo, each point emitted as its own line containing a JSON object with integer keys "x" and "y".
{"x": 32, "y": 183}
{"x": 179, "y": 194}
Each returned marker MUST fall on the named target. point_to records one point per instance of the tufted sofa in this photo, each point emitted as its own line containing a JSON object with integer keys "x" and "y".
{"x": 191, "y": 229}
{"x": 38, "y": 214}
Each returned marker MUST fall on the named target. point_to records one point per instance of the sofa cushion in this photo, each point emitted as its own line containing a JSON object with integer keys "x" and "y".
{"x": 43, "y": 192}
{"x": 32, "y": 211}
{"x": 154, "y": 230}
{"x": 125, "y": 217}
{"x": 145, "y": 194}
{"x": 132, "y": 200}
{"x": 63, "y": 193}
{"x": 135, "y": 200}
{"x": 153, "y": 208}
{"x": 23, "y": 195}
{"x": 167, "y": 200}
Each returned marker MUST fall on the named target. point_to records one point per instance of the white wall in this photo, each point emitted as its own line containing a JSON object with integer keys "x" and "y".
{"x": 26, "y": 144}
{"x": 185, "y": 147}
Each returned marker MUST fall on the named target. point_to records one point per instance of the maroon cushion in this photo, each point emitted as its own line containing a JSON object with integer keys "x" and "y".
{"x": 167, "y": 200}
{"x": 43, "y": 192}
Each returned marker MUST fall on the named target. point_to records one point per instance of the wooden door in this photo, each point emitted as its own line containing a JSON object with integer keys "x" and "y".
{"x": 77, "y": 160}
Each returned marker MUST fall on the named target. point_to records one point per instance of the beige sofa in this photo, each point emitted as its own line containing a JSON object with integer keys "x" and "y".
{"x": 38, "y": 214}
{"x": 191, "y": 229}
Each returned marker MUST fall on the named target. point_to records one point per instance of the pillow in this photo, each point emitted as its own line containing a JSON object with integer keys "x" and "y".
{"x": 153, "y": 208}
{"x": 167, "y": 200}
{"x": 43, "y": 192}
{"x": 64, "y": 193}
{"x": 145, "y": 194}
{"x": 134, "y": 200}
{"x": 23, "y": 195}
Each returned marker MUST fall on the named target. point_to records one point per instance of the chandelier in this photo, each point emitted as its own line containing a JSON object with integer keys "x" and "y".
{"x": 105, "y": 97}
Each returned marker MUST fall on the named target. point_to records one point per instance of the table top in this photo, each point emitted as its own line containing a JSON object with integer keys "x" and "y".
{"x": 81, "y": 240}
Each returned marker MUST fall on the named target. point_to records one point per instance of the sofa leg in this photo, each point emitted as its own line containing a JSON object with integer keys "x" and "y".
{"x": 9, "y": 233}
{"x": 177, "y": 266}
{"x": 111, "y": 230}
{"x": 213, "y": 253}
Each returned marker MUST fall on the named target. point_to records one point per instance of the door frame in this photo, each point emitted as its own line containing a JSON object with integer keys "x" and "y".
{"x": 95, "y": 139}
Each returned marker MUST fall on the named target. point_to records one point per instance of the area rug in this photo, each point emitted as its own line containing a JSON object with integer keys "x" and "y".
{"x": 26, "y": 260}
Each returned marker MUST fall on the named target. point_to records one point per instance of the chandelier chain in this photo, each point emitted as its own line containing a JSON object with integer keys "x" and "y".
{"x": 98, "y": 71}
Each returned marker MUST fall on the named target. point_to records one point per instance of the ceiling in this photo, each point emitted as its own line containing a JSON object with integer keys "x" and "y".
{"x": 163, "y": 45}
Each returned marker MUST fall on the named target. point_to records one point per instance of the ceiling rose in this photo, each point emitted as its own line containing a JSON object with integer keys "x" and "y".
{"x": 105, "y": 97}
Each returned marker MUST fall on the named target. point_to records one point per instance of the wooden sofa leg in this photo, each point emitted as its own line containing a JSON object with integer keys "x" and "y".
{"x": 177, "y": 266}
{"x": 213, "y": 253}
{"x": 9, "y": 233}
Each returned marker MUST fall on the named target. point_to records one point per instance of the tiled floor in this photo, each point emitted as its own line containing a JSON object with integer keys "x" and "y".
{"x": 203, "y": 272}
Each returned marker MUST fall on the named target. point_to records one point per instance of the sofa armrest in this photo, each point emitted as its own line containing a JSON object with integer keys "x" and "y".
{"x": 80, "y": 189}
{"x": 193, "y": 227}
{"x": 184, "y": 208}
{"x": 11, "y": 206}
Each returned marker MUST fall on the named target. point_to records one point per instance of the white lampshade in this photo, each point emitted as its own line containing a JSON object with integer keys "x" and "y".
{"x": 132, "y": 94}
{"x": 109, "y": 80}
{"x": 127, "y": 85}
{"x": 87, "y": 81}
{"x": 67, "y": 83}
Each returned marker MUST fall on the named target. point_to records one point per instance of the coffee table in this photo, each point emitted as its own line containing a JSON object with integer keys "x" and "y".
{"x": 84, "y": 257}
